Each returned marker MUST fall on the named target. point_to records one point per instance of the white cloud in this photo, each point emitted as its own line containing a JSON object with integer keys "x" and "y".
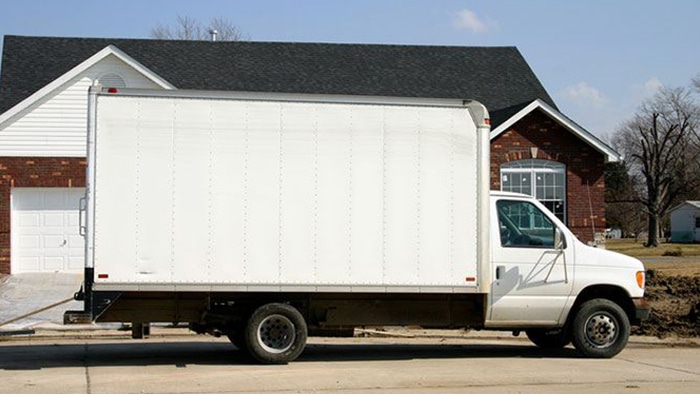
{"x": 646, "y": 90}
{"x": 585, "y": 95}
{"x": 468, "y": 20}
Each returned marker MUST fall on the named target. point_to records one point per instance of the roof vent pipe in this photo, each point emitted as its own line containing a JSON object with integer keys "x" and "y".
{"x": 213, "y": 33}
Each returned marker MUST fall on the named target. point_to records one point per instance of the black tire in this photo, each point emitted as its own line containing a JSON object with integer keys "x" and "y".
{"x": 275, "y": 334}
{"x": 549, "y": 338}
{"x": 600, "y": 329}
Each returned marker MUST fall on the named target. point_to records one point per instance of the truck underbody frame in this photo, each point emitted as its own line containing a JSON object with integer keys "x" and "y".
{"x": 322, "y": 311}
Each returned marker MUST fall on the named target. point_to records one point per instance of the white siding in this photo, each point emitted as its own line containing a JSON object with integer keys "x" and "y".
{"x": 683, "y": 224}
{"x": 56, "y": 125}
{"x": 683, "y": 219}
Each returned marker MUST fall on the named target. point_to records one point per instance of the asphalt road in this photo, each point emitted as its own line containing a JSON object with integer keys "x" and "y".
{"x": 199, "y": 364}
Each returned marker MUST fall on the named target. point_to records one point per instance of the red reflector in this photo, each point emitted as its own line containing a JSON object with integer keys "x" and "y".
{"x": 112, "y": 90}
{"x": 102, "y": 276}
{"x": 471, "y": 279}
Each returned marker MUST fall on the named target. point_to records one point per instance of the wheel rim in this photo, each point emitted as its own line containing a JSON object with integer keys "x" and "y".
{"x": 276, "y": 334}
{"x": 601, "y": 330}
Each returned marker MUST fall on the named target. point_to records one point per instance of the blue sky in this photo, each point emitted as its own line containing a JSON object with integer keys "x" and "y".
{"x": 597, "y": 58}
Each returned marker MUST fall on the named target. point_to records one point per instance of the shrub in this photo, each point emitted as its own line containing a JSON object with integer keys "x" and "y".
{"x": 673, "y": 252}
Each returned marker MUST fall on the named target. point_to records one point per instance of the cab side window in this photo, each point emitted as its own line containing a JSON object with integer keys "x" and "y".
{"x": 523, "y": 225}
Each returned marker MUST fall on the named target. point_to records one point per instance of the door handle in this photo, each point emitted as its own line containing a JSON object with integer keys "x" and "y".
{"x": 82, "y": 210}
{"x": 500, "y": 271}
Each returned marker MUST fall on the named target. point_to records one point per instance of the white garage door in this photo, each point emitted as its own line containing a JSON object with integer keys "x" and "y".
{"x": 45, "y": 233}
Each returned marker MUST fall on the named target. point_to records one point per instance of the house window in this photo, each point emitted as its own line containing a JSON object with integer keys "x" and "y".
{"x": 543, "y": 179}
{"x": 697, "y": 222}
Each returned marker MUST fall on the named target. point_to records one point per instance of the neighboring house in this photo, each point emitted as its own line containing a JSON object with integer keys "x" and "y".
{"x": 535, "y": 148}
{"x": 685, "y": 222}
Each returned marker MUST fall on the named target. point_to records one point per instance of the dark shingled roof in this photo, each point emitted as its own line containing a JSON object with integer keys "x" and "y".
{"x": 498, "y": 77}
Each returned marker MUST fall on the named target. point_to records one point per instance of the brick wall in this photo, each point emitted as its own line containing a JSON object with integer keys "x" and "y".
{"x": 32, "y": 172}
{"x": 584, "y": 167}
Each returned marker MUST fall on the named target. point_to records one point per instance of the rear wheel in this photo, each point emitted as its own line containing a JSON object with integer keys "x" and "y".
{"x": 601, "y": 329}
{"x": 275, "y": 334}
{"x": 548, "y": 338}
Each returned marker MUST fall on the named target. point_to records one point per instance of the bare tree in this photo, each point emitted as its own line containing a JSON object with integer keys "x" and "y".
{"x": 622, "y": 202}
{"x": 227, "y": 31}
{"x": 661, "y": 145}
{"x": 187, "y": 28}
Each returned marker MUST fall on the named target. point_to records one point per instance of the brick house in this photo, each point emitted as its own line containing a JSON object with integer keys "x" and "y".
{"x": 44, "y": 80}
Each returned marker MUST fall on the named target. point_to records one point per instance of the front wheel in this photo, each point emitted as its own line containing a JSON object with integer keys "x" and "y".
{"x": 600, "y": 329}
{"x": 275, "y": 334}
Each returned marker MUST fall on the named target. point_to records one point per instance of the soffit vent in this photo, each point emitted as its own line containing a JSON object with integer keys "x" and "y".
{"x": 112, "y": 81}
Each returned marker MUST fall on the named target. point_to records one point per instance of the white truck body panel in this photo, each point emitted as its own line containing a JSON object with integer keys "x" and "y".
{"x": 263, "y": 192}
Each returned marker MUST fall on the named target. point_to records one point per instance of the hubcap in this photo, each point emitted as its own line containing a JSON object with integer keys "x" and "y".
{"x": 276, "y": 334}
{"x": 601, "y": 330}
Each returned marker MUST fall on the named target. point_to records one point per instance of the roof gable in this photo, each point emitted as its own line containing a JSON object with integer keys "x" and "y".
{"x": 690, "y": 203}
{"x": 498, "y": 77}
{"x": 520, "y": 112}
{"x": 77, "y": 70}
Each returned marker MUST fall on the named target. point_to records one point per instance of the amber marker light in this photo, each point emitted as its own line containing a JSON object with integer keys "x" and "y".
{"x": 640, "y": 279}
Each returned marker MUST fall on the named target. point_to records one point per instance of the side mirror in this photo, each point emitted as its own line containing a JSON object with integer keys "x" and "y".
{"x": 559, "y": 239}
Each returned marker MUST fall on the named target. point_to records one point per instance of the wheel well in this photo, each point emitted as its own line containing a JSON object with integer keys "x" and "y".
{"x": 227, "y": 313}
{"x": 609, "y": 292}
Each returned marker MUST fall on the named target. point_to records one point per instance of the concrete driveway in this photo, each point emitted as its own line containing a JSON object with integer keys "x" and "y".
{"x": 23, "y": 293}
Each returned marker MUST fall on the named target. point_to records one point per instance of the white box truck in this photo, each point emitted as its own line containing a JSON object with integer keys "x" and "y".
{"x": 271, "y": 217}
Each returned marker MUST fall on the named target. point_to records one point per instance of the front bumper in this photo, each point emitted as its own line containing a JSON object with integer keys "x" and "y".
{"x": 642, "y": 310}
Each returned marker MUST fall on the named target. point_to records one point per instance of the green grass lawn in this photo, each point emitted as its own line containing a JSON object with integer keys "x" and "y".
{"x": 637, "y": 249}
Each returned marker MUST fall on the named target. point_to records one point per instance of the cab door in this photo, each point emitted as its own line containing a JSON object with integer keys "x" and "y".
{"x": 532, "y": 277}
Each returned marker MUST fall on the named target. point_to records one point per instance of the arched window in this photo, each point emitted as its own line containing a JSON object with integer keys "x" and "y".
{"x": 543, "y": 179}
{"x": 112, "y": 80}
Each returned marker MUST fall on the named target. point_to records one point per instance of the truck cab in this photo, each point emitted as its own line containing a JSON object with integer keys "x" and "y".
{"x": 543, "y": 276}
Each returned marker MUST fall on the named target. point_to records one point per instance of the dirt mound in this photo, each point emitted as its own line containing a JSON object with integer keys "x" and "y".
{"x": 675, "y": 302}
